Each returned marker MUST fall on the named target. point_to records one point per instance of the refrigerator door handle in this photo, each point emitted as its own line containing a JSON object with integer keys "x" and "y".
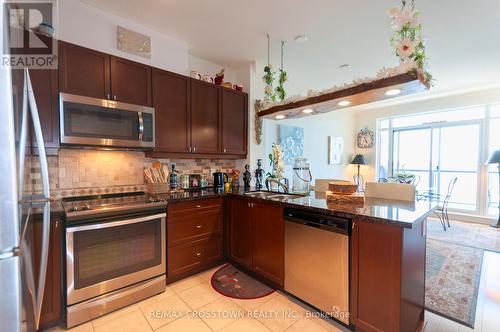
{"x": 44, "y": 170}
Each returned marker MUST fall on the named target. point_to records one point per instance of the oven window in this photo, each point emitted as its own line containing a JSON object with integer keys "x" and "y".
{"x": 100, "y": 122}
{"x": 107, "y": 253}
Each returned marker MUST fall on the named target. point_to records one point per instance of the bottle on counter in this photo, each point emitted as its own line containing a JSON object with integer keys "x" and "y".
{"x": 173, "y": 178}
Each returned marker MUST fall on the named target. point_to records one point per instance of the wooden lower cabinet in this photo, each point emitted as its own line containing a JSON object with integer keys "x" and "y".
{"x": 51, "y": 313}
{"x": 194, "y": 236}
{"x": 387, "y": 277}
{"x": 257, "y": 233}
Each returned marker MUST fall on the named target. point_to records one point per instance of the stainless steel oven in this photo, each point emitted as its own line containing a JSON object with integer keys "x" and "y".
{"x": 113, "y": 262}
{"x": 86, "y": 121}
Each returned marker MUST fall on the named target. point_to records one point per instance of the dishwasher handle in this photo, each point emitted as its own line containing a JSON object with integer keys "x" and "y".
{"x": 326, "y": 223}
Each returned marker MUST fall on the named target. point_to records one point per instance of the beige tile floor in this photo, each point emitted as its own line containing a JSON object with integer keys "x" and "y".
{"x": 192, "y": 305}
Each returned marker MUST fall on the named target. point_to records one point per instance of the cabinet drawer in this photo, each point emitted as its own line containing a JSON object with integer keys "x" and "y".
{"x": 186, "y": 257}
{"x": 193, "y": 227}
{"x": 192, "y": 207}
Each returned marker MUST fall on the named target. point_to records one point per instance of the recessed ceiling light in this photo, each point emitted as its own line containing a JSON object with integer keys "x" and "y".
{"x": 280, "y": 117}
{"x": 300, "y": 39}
{"x": 393, "y": 92}
{"x": 344, "y": 103}
{"x": 307, "y": 110}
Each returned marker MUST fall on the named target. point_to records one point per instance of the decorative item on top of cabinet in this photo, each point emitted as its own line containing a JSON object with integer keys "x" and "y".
{"x": 219, "y": 77}
{"x": 133, "y": 42}
{"x": 365, "y": 138}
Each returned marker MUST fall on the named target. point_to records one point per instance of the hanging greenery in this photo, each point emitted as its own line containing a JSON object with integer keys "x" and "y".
{"x": 407, "y": 40}
{"x": 269, "y": 80}
{"x": 280, "y": 90}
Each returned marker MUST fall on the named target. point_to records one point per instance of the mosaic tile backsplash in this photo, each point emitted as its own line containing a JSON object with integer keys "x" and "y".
{"x": 76, "y": 172}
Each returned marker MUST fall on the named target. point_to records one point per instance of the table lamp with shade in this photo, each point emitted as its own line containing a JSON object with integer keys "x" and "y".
{"x": 359, "y": 160}
{"x": 495, "y": 159}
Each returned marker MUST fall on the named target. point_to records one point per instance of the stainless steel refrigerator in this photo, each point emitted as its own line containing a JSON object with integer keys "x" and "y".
{"x": 21, "y": 283}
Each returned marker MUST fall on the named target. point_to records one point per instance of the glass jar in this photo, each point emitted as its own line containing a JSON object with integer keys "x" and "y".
{"x": 302, "y": 176}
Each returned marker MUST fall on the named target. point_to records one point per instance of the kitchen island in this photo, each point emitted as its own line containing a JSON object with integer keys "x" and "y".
{"x": 387, "y": 250}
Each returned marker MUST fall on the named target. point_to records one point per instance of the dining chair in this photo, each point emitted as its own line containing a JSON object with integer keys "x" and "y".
{"x": 442, "y": 210}
{"x": 392, "y": 191}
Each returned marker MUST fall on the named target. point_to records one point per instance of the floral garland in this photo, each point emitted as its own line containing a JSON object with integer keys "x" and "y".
{"x": 409, "y": 48}
{"x": 407, "y": 40}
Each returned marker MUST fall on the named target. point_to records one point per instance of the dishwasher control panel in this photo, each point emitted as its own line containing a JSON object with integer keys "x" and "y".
{"x": 318, "y": 220}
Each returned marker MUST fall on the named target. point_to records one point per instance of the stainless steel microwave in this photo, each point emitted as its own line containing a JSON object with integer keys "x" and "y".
{"x": 94, "y": 122}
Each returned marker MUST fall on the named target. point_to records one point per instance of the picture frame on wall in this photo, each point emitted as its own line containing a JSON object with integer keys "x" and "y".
{"x": 335, "y": 150}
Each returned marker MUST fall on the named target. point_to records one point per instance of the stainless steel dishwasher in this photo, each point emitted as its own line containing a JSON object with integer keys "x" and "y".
{"x": 317, "y": 261}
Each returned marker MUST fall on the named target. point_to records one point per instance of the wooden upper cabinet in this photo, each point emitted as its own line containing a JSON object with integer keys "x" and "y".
{"x": 234, "y": 122}
{"x": 130, "y": 82}
{"x": 205, "y": 117}
{"x": 172, "y": 113}
{"x": 83, "y": 71}
{"x": 269, "y": 242}
{"x": 45, "y": 88}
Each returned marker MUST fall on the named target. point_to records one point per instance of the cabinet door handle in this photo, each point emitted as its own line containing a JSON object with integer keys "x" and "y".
{"x": 190, "y": 149}
{"x": 198, "y": 254}
{"x": 194, "y": 149}
{"x": 108, "y": 96}
{"x": 225, "y": 150}
{"x": 56, "y": 224}
{"x": 198, "y": 206}
{"x": 353, "y": 225}
{"x": 115, "y": 97}
{"x": 198, "y": 226}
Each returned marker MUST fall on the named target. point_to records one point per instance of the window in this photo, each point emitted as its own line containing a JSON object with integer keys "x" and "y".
{"x": 439, "y": 146}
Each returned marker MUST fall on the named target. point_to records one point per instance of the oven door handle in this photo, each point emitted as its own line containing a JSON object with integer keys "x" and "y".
{"x": 115, "y": 223}
{"x": 141, "y": 125}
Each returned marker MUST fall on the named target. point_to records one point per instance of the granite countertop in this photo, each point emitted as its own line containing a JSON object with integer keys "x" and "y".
{"x": 398, "y": 213}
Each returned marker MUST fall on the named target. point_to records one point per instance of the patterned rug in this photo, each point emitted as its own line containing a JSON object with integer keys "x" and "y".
{"x": 452, "y": 280}
{"x": 231, "y": 282}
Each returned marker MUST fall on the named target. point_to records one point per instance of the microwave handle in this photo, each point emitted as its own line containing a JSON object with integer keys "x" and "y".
{"x": 141, "y": 125}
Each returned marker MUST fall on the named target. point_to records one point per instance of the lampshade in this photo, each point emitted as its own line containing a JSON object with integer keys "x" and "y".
{"x": 359, "y": 160}
{"x": 494, "y": 158}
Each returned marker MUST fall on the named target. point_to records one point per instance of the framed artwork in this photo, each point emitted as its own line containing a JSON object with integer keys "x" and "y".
{"x": 292, "y": 142}
{"x": 335, "y": 150}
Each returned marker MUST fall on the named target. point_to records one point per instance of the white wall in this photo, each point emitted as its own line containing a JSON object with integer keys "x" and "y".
{"x": 82, "y": 24}
{"x": 368, "y": 117}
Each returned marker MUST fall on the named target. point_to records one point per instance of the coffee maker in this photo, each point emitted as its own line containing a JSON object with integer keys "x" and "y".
{"x": 219, "y": 180}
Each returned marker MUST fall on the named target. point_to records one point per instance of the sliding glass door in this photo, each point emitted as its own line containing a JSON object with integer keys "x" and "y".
{"x": 438, "y": 153}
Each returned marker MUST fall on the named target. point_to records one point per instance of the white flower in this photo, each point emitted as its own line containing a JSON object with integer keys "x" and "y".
{"x": 408, "y": 65}
{"x": 406, "y": 48}
{"x": 269, "y": 90}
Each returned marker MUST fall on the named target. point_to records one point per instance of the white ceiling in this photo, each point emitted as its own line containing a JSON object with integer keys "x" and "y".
{"x": 463, "y": 36}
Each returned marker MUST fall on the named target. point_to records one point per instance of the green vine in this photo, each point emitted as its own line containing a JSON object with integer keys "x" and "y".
{"x": 280, "y": 90}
